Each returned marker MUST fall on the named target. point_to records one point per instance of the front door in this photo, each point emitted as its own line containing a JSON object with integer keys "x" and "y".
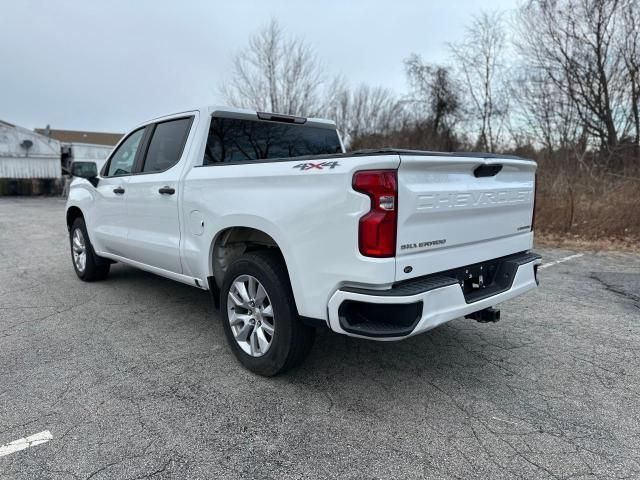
{"x": 108, "y": 225}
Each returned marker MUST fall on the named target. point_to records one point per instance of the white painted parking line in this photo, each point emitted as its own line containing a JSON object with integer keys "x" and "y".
{"x": 22, "y": 443}
{"x": 562, "y": 260}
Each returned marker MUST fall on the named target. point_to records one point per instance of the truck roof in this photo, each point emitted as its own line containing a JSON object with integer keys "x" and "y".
{"x": 241, "y": 113}
{"x": 246, "y": 114}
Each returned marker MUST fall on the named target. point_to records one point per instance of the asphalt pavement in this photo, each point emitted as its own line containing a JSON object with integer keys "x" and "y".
{"x": 132, "y": 378}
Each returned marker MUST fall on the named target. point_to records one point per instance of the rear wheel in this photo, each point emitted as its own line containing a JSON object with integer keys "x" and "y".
{"x": 86, "y": 263}
{"x": 259, "y": 315}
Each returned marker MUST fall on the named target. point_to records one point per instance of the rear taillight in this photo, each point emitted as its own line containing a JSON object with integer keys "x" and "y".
{"x": 377, "y": 231}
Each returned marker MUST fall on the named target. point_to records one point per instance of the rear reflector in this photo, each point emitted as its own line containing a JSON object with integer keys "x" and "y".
{"x": 535, "y": 198}
{"x": 377, "y": 229}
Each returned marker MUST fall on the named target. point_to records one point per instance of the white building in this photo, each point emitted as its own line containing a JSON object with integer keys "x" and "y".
{"x": 85, "y": 152}
{"x": 81, "y": 146}
{"x": 27, "y": 154}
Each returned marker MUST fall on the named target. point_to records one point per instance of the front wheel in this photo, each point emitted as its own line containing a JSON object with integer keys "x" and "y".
{"x": 86, "y": 263}
{"x": 259, "y": 315}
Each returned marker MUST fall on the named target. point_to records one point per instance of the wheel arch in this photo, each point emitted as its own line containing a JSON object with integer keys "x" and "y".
{"x": 73, "y": 213}
{"x": 231, "y": 242}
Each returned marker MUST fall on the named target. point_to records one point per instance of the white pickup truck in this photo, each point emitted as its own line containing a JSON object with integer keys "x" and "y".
{"x": 290, "y": 233}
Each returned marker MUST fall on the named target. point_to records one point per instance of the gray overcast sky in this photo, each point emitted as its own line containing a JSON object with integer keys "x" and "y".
{"x": 109, "y": 65}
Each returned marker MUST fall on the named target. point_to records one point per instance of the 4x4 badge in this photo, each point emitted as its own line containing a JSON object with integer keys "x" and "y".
{"x": 319, "y": 166}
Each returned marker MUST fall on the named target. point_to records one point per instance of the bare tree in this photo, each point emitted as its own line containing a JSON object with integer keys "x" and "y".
{"x": 542, "y": 112}
{"x": 434, "y": 95}
{"x": 480, "y": 61}
{"x": 631, "y": 59}
{"x": 276, "y": 73}
{"x": 575, "y": 45}
{"x": 364, "y": 110}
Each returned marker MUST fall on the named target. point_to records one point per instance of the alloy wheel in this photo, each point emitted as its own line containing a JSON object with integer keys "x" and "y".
{"x": 250, "y": 315}
{"x": 79, "y": 249}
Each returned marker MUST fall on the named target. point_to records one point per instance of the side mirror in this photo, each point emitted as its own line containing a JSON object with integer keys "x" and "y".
{"x": 84, "y": 169}
{"x": 88, "y": 170}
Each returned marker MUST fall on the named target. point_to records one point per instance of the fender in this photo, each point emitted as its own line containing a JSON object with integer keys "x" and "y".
{"x": 257, "y": 223}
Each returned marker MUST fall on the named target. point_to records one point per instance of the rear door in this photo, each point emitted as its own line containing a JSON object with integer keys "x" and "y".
{"x": 153, "y": 216}
{"x": 458, "y": 210}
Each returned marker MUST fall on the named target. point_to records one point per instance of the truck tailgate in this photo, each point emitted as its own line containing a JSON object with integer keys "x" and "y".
{"x": 458, "y": 210}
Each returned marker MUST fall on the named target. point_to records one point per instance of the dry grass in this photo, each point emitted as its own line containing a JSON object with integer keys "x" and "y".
{"x": 585, "y": 208}
{"x": 577, "y": 243}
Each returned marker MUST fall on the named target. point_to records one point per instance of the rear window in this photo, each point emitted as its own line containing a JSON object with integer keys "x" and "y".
{"x": 236, "y": 140}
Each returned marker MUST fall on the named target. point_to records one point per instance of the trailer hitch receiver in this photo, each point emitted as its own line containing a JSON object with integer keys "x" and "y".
{"x": 485, "y": 316}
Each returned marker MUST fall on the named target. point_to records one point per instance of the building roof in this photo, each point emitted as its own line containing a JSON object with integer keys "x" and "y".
{"x": 77, "y": 136}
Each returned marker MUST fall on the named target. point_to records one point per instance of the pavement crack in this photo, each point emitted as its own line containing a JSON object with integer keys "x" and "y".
{"x": 616, "y": 289}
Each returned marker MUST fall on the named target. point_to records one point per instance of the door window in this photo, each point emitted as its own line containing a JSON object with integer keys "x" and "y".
{"x": 167, "y": 143}
{"x": 123, "y": 158}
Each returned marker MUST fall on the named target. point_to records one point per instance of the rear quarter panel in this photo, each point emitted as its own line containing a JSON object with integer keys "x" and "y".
{"x": 312, "y": 214}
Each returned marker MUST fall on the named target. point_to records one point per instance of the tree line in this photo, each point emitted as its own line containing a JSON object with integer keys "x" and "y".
{"x": 556, "y": 77}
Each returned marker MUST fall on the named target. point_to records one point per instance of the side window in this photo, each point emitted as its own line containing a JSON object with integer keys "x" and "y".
{"x": 122, "y": 160}
{"x": 167, "y": 143}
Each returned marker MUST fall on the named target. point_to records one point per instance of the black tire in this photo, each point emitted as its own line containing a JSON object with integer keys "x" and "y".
{"x": 292, "y": 340}
{"x": 96, "y": 268}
